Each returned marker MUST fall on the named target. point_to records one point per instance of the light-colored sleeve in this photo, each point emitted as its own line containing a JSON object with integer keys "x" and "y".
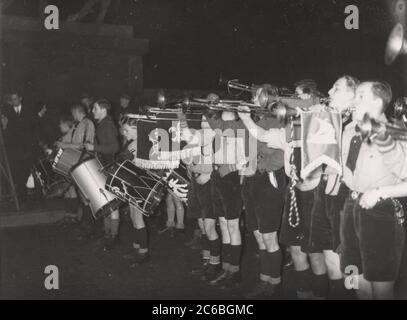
{"x": 394, "y": 156}
{"x": 89, "y": 131}
{"x": 274, "y": 138}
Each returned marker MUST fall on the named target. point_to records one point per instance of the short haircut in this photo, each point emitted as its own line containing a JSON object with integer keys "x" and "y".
{"x": 66, "y": 119}
{"x": 382, "y": 90}
{"x": 351, "y": 82}
{"x": 16, "y": 92}
{"x": 270, "y": 89}
{"x": 308, "y": 86}
{"x": 85, "y": 96}
{"x": 125, "y": 96}
{"x": 79, "y": 107}
{"x": 212, "y": 97}
{"x": 104, "y": 104}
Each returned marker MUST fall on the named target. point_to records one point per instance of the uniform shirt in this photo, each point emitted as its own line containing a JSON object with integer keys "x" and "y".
{"x": 382, "y": 163}
{"x": 106, "y": 140}
{"x": 67, "y": 137}
{"x": 278, "y": 139}
{"x": 230, "y": 146}
{"x": 198, "y": 154}
{"x": 269, "y": 159}
{"x": 83, "y": 132}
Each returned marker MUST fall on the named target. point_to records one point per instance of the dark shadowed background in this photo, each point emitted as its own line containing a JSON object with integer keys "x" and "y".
{"x": 278, "y": 41}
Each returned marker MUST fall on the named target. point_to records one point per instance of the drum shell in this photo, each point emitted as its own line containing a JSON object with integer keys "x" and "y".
{"x": 51, "y": 184}
{"x": 65, "y": 159}
{"x": 91, "y": 182}
{"x": 140, "y": 188}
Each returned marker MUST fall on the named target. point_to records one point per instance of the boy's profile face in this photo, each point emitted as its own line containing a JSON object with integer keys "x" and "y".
{"x": 124, "y": 102}
{"x": 98, "y": 112}
{"x": 75, "y": 114}
{"x": 367, "y": 102}
{"x": 63, "y": 127}
{"x": 130, "y": 133}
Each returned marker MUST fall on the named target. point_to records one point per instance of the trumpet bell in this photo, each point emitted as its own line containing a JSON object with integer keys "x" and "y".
{"x": 396, "y": 44}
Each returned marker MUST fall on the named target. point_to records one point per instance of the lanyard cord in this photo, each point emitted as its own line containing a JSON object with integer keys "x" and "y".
{"x": 293, "y": 182}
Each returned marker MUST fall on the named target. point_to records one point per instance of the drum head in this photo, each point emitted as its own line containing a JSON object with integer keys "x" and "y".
{"x": 136, "y": 186}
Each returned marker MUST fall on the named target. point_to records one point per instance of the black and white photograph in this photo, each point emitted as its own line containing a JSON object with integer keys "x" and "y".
{"x": 203, "y": 156}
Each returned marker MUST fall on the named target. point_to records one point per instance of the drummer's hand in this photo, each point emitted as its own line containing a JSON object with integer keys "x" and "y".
{"x": 89, "y": 146}
{"x": 243, "y": 112}
{"x": 180, "y": 190}
{"x": 60, "y": 144}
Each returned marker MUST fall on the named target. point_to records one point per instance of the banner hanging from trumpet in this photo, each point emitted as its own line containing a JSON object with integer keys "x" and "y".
{"x": 159, "y": 144}
{"x": 321, "y": 133}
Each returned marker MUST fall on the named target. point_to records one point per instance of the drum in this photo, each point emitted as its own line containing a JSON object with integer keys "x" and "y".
{"x": 45, "y": 179}
{"x": 91, "y": 181}
{"x": 137, "y": 186}
{"x": 178, "y": 182}
{"x": 65, "y": 159}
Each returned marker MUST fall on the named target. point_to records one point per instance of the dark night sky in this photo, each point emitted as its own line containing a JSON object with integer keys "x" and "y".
{"x": 278, "y": 41}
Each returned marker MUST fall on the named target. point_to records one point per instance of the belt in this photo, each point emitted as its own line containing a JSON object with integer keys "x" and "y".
{"x": 398, "y": 208}
{"x": 355, "y": 195}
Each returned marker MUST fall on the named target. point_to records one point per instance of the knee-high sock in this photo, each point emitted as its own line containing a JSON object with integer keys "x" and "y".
{"x": 303, "y": 284}
{"x": 143, "y": 239}
{"x": 114, "y": 227}
{"x": 87, "y": 217}
{"x": 205, "y": 247}
{"x": 235, "y": 255}
{"x": 107, "y": 226}
{"x": 226, "y": 252}
{"x": 337, "y": 290}
{"x": 320, "y": 286}
{"x": 136, "y": 241}
{"x": 214, "y": 248}
{"x": 272, "y": 264}
{"x": 264, "y": 271}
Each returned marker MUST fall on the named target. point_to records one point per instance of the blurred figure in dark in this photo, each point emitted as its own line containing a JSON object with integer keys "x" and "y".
{"x": 18, "y": 124}
{"x": 126, "y": 105}
{"x": 87, "y": 101}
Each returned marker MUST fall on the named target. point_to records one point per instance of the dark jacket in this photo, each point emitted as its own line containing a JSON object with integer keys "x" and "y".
{"x": 106, "y": 140}
{"x": 19, "y": 135}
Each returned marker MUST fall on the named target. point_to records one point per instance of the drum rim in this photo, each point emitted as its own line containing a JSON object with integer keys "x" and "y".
{"x": 81, "y": 162}
{"x": 114, "y": 204}
{"x": 153, "y": 191}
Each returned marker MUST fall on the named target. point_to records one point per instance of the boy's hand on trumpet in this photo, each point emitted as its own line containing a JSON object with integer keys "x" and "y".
{"x": 243, "y": 112}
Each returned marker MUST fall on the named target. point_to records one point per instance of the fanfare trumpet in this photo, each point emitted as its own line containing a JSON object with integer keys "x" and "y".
{"x": 400, "y": 108}
{"x": 370, "y": 129}
{"x": 396, "y": 44}
{"x": 236, "y": 85}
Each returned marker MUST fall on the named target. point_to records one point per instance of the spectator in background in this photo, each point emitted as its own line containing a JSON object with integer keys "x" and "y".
{"x": 18, "y": 124}
{"x": 126, "y": 105}
{"x": 87, "y": 102}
